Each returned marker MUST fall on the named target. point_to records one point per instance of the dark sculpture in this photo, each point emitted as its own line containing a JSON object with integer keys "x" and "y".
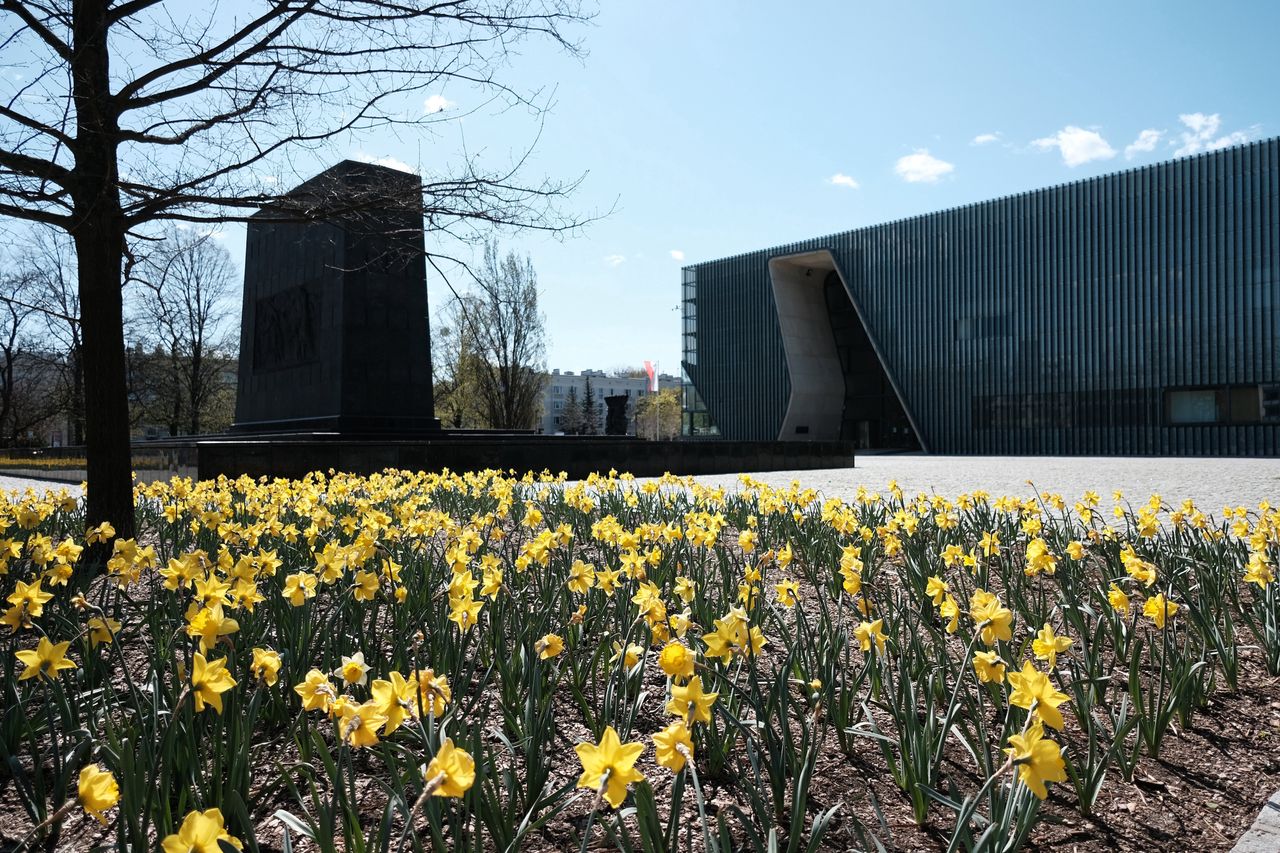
{"x": 335, "y": 335}
{"x": 615, "y": 419}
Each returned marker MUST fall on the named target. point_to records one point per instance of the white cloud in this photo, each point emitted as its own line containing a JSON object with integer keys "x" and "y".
{"x": 1202, "y": 134}
{"x": 677, "y": 255}
{"x": 1235, "y": 137}
{"x": 985, "y": 138}
{"x": 1078, "y": 146}
{"x": 922, "y": 167}
{"x": 436, "y": 103}
{"x": 615, "y": 260}
{"x": 389, "y": 162}
{"x": 840, "y": 179}
{"x": 1146, "y": 141}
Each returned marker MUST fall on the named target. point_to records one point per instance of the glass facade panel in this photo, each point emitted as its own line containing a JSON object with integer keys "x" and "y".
{"x": 1246, "y": 405}
{"x": 1193, "y": 407}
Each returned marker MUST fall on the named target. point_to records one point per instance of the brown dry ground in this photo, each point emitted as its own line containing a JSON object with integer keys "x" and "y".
{"x": 1201, "y": 794}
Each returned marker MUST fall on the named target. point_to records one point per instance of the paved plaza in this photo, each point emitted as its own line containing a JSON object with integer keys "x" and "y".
{"x": 1212, "y": 483}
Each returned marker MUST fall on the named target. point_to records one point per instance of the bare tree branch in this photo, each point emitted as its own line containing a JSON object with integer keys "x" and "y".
{"x": 131, "y": 113}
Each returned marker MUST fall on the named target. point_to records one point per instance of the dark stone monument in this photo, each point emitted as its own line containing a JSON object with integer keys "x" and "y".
{"x": 615, "y": 419}
{"x": 335, "y": 335}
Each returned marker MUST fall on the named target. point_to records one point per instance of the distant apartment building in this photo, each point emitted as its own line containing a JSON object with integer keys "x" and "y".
{"x": 556, "y": 394}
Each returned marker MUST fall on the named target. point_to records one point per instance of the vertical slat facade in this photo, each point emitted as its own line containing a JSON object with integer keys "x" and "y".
{"x": 1055, "y": 321}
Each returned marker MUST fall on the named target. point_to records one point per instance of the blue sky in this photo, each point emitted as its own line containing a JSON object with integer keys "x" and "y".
{"x": 712, "y": 128}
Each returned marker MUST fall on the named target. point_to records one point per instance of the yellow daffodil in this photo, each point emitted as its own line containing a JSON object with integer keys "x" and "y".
{"x": 582, "y": 576}
{"x": 265, "y": 666}
{"x": 988, "y": 667}
{"x": 200, "y": 833}
{"x": 993, "y": 619}
{"x": 208, "y": 624}
{"x": 317, "y": 691}
{"x": 607, "y": 580}
{"x": 395, "y": 700}
{"x": 104, "y": 532}
{"x": 1118, "y": 600}
{"x": 30, "y": 598}
{"x": 1137, "y": 568}
{"x": 609, "y": 766}
{"x": 1158, "y": 609}
{"x": 97, "y": 791}
{"x": 434, "y": 691}
{"x": 950, "y": 610}
{"x": 1038, "y": 558}
{"x": 1259, "y": 571}
{"x": 668, "y": 742}
{"x": 465, "y": 612}
{"x": 298, "y": 587}
{"x": 549, "y": 646}
{"x": 365, "y": 586}
{"x": 1048, "y": 645}
{"x": 689, "y": 702}
{"x": 676, "y": 660}
{"x": 734, "y": 635}
{"x": 46, "y": 660}
{"x": 451, "y": 773}
{"x": 869, "y": 633}
{"x": 936, "y": 589}
{"x": 359, "y": 724}
{"x": 685, "y": 589}
{"x": 491, "y": 583}
{"x": 1033, "y": 690}
{"x": 209, "y": 680}
{"x": 629, "y": 657}
{"x": 1038, "y": 760}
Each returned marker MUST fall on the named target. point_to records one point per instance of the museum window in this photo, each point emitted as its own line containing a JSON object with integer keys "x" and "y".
{"x": 1270, "y": 395}
{"x": 1192, "y": 406}
{"x": 1235, "y": 404}
{"x": 1245, "y": 404}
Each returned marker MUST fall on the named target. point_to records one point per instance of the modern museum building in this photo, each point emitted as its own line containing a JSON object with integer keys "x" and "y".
{"x": 1132, "y": 313}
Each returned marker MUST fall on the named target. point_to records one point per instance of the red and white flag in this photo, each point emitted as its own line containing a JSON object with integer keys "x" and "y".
{"x": 650, "y": 369}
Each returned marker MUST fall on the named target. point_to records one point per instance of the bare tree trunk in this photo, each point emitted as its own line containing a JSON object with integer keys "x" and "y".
{"x": 99, "y": 234}
{"x": 196, "y": 395}
{"x": 77, "y": 395}
{"x": 101, "y": 251}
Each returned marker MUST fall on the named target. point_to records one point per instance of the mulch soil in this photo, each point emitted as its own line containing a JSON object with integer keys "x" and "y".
{"x": 1202, "y": 793}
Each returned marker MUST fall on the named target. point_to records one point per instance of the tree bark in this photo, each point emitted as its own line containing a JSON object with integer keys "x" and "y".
{"x": 99, "y": 233}
{"x": 106, "y": 432}
{"x": 197, "y": 388}
{"x": 77, "y": 395}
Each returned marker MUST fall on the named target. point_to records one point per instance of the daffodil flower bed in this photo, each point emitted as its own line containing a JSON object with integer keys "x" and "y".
{"x": 481, "y": 662}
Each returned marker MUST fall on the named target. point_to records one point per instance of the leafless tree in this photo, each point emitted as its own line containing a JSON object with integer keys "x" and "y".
{"x": 47, "y": 265}
{"x": 454, "y": 365}
{"x": 187, "y": 282}
{"x": 118, "y": 114}
{"x": 14, "y": 321}
{"x": 501, "y": 321}
{"x": 28, "y": 370}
